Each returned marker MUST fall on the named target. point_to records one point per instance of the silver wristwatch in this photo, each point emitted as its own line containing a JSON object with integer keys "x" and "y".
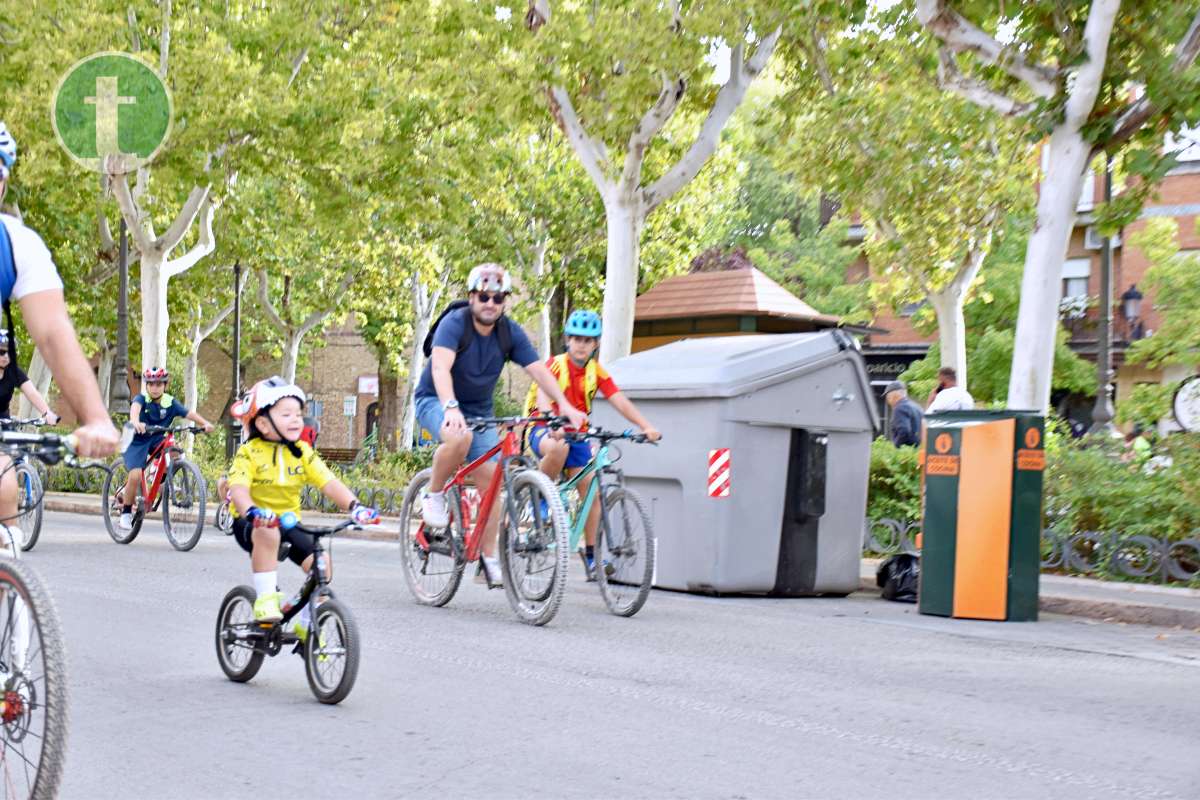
{"x": 449, "y": 404}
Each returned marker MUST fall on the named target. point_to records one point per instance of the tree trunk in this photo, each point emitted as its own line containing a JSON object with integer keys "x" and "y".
{"x": 952, "y": 330}
{"x": 291, "y": 355}
{"x": 1041, "y": 283}
{"x": 416, "y": 364}
{"x": 154, "y": 311}
{"x": 624, "y": 217}
{"x": 389, "y": 402}
{"x": 39, "y": 376}
{"x": 539, "y": 271}
{"x": 191, "y": 384}
{"x": 558, "y": 314}
{"x": 108, "y": 354}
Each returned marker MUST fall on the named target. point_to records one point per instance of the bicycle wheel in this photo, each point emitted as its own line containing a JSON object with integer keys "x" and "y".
{"x": 239, "y": 659}
{"x": 29, "y": 505}
{"x": 433, "y": 571}
{"x": 331, "y": 652}
{"x": 183, "y": 511}
{"x": 33, "y": 706}
{"x": 533, "y": 548}
{"x": 625, "y": 552}
{"x": 225, "y": 519}
{"x": 110, "y": 499}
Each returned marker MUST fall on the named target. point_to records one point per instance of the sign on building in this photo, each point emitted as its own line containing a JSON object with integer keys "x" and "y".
{"x": 368, "y": 384}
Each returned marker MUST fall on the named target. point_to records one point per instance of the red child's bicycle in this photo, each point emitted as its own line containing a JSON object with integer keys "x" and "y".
{"x": 533, "y": 531}
{"x": 169, "y": 475}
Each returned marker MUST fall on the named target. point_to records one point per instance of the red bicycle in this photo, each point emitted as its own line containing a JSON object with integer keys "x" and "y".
{"x": 533, "y": 531}
{"x": 168, "y": 475}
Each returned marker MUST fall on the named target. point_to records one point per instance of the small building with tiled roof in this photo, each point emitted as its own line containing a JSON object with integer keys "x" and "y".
{"x": 721, "y": 303}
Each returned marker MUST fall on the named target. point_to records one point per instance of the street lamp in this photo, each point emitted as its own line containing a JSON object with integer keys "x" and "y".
{"x": 1131, "y": 309}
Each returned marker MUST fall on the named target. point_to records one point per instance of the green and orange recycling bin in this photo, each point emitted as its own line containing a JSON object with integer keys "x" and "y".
{"x": 982, "y": 515}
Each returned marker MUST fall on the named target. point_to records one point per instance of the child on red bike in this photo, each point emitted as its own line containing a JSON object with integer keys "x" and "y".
{"x": 268, "y": 473}
{"x": 153, "y": 407}
{"x": 580, "y": 376}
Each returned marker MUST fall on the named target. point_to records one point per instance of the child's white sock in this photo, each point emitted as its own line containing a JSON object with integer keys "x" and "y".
{"x": 265, "y": 583}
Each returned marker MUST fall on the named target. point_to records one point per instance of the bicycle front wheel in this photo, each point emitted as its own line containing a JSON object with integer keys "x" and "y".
{"x": 29, "y": 505}
{"x": 533, "y": 548}
{"x": 33, "y": 679}
{"x": 225, "y": 519}
{"x": 331, "y": 652}
{"x": 183, "y": 511}
{"x": 432, "y": 570}
{"x": 110, "y": 499}
{"x": 625, "y": 552}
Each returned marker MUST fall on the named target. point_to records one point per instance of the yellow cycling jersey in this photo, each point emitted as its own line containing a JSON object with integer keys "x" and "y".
{"x": 274, "y": 476}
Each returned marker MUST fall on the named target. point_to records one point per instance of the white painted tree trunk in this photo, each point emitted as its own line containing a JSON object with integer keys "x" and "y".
{"x": 155, "y": 318}
{"x": 291, "y": 355}
{"x": 191, "y": 374}
{"x": 416, "y": 364}
{"x": 624, "y": 218}
{"x": 1041, "y": 283}
{"x": 952, "y": 330}
{"x": 539, "y": 272}
{"x": 39, "y": 376}
{"x": 108, "y": 354}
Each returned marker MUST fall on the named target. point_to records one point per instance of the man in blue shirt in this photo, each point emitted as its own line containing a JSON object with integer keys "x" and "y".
{"x": 456, "y": 385}
{"x": 906, "y": 415}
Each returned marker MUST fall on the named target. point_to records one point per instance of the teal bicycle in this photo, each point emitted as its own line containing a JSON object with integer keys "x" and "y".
{"x": 625, "y": 544}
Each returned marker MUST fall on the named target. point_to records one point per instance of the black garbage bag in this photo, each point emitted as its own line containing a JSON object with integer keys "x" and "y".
{"x": 899, "y": 577}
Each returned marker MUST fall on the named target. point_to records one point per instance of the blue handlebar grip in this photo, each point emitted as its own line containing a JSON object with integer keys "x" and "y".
{"x": 288, "y": 521}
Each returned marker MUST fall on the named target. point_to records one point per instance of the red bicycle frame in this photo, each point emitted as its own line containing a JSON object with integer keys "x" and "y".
{"x": 161, "y": 459}
{"x": 508, "y": 446}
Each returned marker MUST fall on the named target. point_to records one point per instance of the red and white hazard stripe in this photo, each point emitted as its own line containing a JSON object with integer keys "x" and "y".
{"x": 718, "y": 472}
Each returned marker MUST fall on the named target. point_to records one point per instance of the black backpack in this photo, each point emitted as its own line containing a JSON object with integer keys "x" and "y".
{"x": 503, "y": 331}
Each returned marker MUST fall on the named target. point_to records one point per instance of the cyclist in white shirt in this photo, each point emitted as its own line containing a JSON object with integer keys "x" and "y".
{"x": 39, "y": 290}
{"x": 948, "y": 395}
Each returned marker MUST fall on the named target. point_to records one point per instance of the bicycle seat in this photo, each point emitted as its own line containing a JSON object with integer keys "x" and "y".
{"x": 285, "y": 547}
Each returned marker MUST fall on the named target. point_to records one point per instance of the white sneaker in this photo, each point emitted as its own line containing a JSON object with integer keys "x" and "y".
{"x": 434, "y": 511}
{"x": 493, "y": 576}
{"x": 8, "y": 542}
{"x": 126, "y": 523}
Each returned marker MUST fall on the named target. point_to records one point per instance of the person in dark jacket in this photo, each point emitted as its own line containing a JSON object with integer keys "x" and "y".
{"x": 906, "y": 415}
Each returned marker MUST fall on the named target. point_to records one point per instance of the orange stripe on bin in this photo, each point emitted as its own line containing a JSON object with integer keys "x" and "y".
{"x": 984, "y": 520}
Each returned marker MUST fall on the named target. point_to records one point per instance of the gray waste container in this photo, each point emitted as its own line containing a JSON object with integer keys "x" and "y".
{"x": 797, "y": 416}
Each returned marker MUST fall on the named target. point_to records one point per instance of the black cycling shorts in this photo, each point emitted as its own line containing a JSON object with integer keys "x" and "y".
{"x": 302, "y": 544}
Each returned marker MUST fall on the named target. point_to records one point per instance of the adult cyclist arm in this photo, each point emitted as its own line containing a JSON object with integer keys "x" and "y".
{"x": 46, "y": 318}
{"x": 440, "y": 363}
{"x": 549, "y": 384}
{"x": 37, "y": 401}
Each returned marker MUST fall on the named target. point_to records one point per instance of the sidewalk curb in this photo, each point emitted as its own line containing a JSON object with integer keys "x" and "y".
{"x": 1133, "y": 613}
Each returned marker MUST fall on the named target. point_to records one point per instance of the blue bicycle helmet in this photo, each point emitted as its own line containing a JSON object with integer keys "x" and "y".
{"x": 583, "y": 323}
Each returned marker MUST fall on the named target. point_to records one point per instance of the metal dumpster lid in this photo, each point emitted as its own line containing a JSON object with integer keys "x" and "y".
{"x": 721, "y": 366}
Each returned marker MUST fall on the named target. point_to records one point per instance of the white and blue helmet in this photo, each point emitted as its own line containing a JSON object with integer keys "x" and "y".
{"x": 8, "y": 151}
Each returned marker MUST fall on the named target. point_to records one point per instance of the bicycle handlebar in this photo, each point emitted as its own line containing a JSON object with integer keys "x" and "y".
{"x": 36, "y": 422}
{"x": 50, "y": 448}
{"x": 290, "y": 522}
{"x": 180, "y": 429}
{"x": 482, "y": 423}
{"x": 610, "y": 436}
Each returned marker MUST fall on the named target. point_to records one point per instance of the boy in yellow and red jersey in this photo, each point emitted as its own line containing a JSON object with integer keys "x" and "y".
{"x": 580, "y": 376}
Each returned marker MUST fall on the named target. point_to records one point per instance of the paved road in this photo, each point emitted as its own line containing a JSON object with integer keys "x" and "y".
{"x": 694, "y": 698}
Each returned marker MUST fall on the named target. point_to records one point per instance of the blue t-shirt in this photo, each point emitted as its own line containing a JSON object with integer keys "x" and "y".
{"x": 477, "y": 368}
{"x": 162, "y": 411}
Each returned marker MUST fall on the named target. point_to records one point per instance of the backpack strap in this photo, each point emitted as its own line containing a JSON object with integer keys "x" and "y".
{"x": 8, "y": 281}
{"x": 503, "y": 333}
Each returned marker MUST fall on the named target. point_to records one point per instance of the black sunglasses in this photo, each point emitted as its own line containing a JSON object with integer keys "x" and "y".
{"x": 493, "y": 297}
